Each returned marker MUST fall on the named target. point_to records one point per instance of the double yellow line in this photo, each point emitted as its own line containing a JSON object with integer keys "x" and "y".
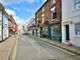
{"x": 15, "y": 50}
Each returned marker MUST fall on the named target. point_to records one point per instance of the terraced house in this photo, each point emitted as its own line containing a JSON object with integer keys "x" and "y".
{"x": 42, "y": 18}
{"x": 71, "y": 22}
{"x": 4, "y": 32}
{"x": 7, "y": 24}
{"x": 13, "y": 27}
{"x": 48, "y": 20}
{"x": 56, "y": 20}
{"x": 30, "y": 27}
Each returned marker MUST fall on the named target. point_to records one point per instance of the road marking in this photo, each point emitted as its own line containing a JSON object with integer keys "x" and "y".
{"x": 15, "y": 50}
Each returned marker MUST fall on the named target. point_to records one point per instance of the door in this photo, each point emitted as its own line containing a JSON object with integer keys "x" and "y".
{"x": 67, "y": 32}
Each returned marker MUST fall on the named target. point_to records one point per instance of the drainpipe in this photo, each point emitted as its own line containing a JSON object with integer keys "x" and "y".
{"x": 61, "y": 19}
{"x": 2, "y": 25}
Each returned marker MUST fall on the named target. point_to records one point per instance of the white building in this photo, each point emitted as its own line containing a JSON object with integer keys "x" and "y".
{"x": 4, "y": 31}
{"x": 71, "y": 21}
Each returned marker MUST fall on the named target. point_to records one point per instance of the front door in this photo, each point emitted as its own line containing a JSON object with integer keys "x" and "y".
{"x": 67, "y": 32}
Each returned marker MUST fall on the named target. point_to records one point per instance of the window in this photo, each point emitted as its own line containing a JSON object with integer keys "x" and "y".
{"x": 43, "y": 9}
{"x": 42, "y": 20}
{"x": 37, "y": 21}
{"x": 76, "y": 4}
{"x": 52, "y": 2}
{"x": 54, "y": 14}
{"x": 77, "y": 28}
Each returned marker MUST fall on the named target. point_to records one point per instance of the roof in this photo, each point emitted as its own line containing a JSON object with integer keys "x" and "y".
{"x": 2, "y": 8}
{"x": 42, "y": 6}
{"x": 11, "y": 19}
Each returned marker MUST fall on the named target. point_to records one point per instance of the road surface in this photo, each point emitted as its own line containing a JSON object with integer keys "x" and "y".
{"x": 30, "y": 48}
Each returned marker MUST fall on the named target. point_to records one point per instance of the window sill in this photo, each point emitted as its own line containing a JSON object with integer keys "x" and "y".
{"x": 53, "y": 19}
{"x": 77, "y": 36}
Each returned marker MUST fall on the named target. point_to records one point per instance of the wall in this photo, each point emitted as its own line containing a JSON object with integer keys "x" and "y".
{"x": 5, "y": 25}
{"x": 68, "y": 9}
{"x": 70, "y": 16}
{"x": 0, "y": 25}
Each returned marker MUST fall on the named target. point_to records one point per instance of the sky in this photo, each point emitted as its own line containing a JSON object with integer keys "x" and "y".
{"x": 22, "y": 10}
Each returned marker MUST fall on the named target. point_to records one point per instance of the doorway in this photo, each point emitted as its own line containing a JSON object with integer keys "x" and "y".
{"x": 67, "y": 33}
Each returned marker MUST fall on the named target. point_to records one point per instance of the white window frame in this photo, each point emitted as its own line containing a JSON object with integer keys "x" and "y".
{"x": 77, "y": 29}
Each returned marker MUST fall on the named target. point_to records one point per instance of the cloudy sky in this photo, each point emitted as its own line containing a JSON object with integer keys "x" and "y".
{"x": 22, "y": 10}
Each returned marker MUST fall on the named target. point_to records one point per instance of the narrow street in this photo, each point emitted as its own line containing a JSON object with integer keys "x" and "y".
{"x": 30, "y": 48}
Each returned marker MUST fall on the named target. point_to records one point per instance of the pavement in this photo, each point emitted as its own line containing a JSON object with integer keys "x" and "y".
{"x": 6, "y": 47}
{"x": 32, "y": 48}
{"x": 71, "y": 48}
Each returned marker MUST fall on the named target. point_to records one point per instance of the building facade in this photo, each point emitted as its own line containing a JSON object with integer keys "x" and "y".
{"x": 30, "y": 27}
{"x": 13, "y": 27}
{"x": 56, "y": 20}
{"x": 43, "y": 17}
{"x": 7, "y": 24}
{"x": 71, "y": 22}
{"x": 4, "y": 32}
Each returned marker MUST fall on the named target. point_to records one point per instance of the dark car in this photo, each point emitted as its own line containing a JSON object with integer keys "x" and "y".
{"x": 25, "y": 33}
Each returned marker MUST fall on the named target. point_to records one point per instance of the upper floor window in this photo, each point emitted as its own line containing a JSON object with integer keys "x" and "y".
{"x": 76, "y": 4}
{"x": 53, "y": 1}
{"x": 53, "y": 13}
{"x": 37, "y": 21}
{"x": 42, "y": 20}
{"x": 43, "y": 9}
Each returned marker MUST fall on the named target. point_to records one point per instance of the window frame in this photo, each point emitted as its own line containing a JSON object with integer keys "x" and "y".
{"x": 77, "y": 31}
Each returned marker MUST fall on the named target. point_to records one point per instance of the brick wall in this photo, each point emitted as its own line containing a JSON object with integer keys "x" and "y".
{"x": 46, "y": 12}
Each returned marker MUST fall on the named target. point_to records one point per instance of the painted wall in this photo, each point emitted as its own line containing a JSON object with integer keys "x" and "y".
{"x": 5, "y": 25}
{"x": 70, "y": 16}
{"x": 69, "y": 10}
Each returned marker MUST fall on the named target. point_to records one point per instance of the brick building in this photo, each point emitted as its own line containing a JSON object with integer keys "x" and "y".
{"x": 30, "y": 27}
{"x": 56, "y": 20}
{"x": 13, "y": 27}
{"x": 43, "y": 18}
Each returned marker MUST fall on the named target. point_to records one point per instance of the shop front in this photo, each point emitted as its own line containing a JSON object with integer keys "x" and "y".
{"x": 56, "y": 33}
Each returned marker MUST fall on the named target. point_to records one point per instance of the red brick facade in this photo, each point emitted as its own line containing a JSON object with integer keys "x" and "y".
{"x": 47, "y": 13}
{"x": 57, "y": 6}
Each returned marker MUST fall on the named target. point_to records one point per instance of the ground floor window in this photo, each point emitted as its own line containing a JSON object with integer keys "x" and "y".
{"x": 45, "y": 32}
{"x": 57, "y": 30}
{"x": 77, "y": 28}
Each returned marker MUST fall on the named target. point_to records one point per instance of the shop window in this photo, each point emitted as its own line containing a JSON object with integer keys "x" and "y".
{"x": 57, "y": 30}
{"x": 77, "y": 28}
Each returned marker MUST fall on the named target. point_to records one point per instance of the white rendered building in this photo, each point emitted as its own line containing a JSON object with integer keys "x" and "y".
{"x": 4, "y": 31}
{"x": 71, "y": 22}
